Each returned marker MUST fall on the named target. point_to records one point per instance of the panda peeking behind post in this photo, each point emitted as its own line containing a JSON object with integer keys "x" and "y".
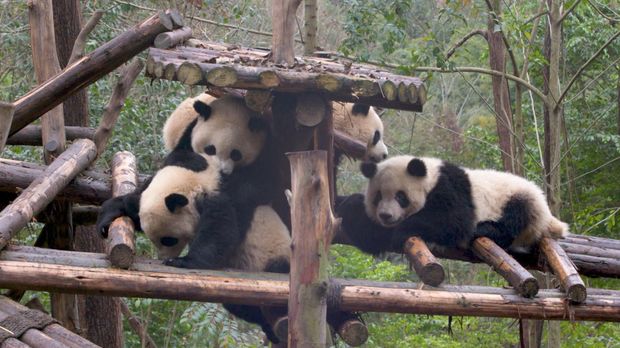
{"x": 444, "y": 204}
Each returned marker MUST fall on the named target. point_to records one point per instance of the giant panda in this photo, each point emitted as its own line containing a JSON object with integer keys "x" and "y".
{"x": 360, "y": 122}
{"x": 185, "y": 203}
{"x": 446, "y": 205}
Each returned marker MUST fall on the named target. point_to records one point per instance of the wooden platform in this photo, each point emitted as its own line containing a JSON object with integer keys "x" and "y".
{"x": 234, "y": 67}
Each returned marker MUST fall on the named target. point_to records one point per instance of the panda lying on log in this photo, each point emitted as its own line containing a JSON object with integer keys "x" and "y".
{"x": 445, "y": 205}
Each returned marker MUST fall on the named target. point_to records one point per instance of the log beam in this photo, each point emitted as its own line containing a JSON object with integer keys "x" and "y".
{"x": 564, "y": 270}
{"x": 87, "y": 70}
{"x": 121, "y": 246}
{"x": 312, "y": 223}
{"x": 6, "y": 116}
{"x": 173, "y": 38}
{"x": 45, "y": 188}
{"x": 504, "y": 264}
{"x": 31, "y": 135}
{"x": 75, "y": 272}
{"x": 351, "y": 147}
{"x": 424, "y": 263}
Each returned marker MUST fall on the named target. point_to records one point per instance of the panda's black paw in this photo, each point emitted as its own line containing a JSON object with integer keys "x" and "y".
{"x": 179, "y": 262}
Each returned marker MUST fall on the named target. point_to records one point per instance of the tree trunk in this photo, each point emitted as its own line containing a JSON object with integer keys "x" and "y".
{"x": 501, "y": 97}
{"x": 310, "y": 27}
{"x": 283, "y": 19}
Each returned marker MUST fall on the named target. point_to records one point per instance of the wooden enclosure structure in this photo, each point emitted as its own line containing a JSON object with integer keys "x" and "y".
{"x": 267, "y": 86}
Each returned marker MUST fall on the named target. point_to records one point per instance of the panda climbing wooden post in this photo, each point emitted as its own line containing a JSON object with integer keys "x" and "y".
{"x": 121, "y": 245}
{"x": 312, "y": 224}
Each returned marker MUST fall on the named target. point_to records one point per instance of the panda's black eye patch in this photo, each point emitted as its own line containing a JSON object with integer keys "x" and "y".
{"x": 235, "y": 155}
{"x": 401, "y": 198}
{"x": 210, "y": 150}
{"x": 377, "y": 199}
{"x": 168, "y": 241}
{"x": 376, "y": 137}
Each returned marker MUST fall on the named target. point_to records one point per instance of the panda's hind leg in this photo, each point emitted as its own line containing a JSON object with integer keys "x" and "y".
{"x": 515, "y": 218}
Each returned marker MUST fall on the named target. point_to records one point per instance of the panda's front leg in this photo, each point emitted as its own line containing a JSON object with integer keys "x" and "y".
{"x": 217, "y": 235}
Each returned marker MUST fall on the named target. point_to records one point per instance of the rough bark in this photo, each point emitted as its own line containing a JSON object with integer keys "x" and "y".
{"x": 564, "y": 270}
{"x": 310, "y": 26}
{"x": 312, "y": 232}
{"x": 426, "y": 266}
{"x": 283, "y": 23}
{"x": 6, "y": 116}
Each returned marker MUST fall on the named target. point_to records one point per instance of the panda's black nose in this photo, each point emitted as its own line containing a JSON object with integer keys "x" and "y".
{"x": 384, "y": 155}
{"x": 385, "y": 217}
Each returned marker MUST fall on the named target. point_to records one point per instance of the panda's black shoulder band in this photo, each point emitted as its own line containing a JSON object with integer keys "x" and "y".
{"x": 360, "y": 109}
{"x": 186, "y": 159}
{"x": 202, "y": 109}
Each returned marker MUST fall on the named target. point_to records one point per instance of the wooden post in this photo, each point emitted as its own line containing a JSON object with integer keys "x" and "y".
{"x": 87, "y": 70}
{"x": 6, "y": 116}
{"x": 310, "y": 27}
{"x": 312, "y": 223}
{"x": 517, "y": 276}
{"x": 121, "y": 247}
{"x": 45, "y": 188}
{"x": 283, "y": 20}
{"x": 564, "y": 269}
{"x": 426, "y": 266}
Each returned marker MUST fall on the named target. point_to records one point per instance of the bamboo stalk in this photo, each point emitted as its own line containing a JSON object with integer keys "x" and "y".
{"x": 517, "y": 276}
{"x": 564, "y": 270}
{"x": 121, "y": 245}
{"x": 31, "y": 135}
{"x": 45, "y": 188}
{"x": 156, "y": 281}
{"x": 426, "y": 266}
{"x": 312, "y": 232}
{"x": 6, "y": 117}
{"x": 85, "y": 71}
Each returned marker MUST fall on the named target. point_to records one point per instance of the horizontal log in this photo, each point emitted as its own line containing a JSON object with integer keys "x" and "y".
{"x": 599, "y": 242}
{"x": 172, "y": 38}
{"x": 90, "y": 187}
{"x": 517, "y": 276}
{"x": 45, "y": 188}
{"x": 594, "y": 266}
{"x": 152, "y": 280}
{"x": 195, "y": 68}
{"x": 31, "y": 135}
{"x": 351, "y": 147}
{"x": 590, "y": 250}
{"x": 88, "y": 69}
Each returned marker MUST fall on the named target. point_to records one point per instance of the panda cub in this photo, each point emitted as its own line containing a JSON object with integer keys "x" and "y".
{"x": 360, "y": 122}
{"x": 446, "y": 205}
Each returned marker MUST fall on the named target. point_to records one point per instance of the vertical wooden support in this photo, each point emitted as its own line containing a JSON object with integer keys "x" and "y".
{"x": 45, "y": 188}
{"x": 310, "y": 27}
{"x": 283, "y": 17}
{"x": 121, "y": 247}
{"x": 424, "y": 263}
{"x": 517, "y": 276}
{"x": 6, "y": 116}
{"x": 312, "y": 227}
{"x": 564, "y": 269}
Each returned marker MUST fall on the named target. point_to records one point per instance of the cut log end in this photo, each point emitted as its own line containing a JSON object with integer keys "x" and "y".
{"x": 432, "y": 274}
{"x": 189, "y": 73}
{"x": 121, "y": 256}
{"x": 577, "y": 291}
{"x": 221, "y": 77}
{"x": 424, "y": 263}
{"x": 528, "y": 288}
{"x": 353, "y": 332}
{"x": 280, "y": 328}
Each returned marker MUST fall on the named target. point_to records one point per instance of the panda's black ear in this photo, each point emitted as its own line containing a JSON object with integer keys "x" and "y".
{"x": 175, "y": 200}
{"x": 369, "y": 169}
{"x": 202, "y": 109}
{"x": 416, "y": 167}
{"x": 257, "y": 124}
{"x": 360, "y": 109}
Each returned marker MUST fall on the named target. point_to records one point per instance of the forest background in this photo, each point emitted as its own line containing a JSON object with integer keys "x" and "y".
{"x": 554, "y": 120}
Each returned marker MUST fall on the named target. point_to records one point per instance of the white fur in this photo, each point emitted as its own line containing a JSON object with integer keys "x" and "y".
{"x": 490, "y": 192}
{"x": 361, "y": 127}
{"x": 157, "y": 221}
{"x": 180, "y": 118}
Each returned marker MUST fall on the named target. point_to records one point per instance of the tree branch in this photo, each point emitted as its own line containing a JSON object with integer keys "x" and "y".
{"x": 519, "y": 80}
{"x": 568, "y": 11}
{"x": 585, "y": 65}
{"x": 464, "y": 39}
{"x": 80, "y": 41}
{"x": 526, "y": 54}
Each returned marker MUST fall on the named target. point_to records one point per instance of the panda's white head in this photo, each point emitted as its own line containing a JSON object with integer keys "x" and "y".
{"x": 168, "y": 213}
{"x": 361, "y": 122}
{"x": 398, "y": 187}
{"x": 181, "y": 118}
{"x": 229, "y": 130}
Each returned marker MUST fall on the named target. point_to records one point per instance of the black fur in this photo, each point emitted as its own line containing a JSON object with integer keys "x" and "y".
{"x": 202, "y": 109}
{"x": 358, "y": 109}
{"x": 416, "y": 167}
{"x": 257, "y": 124}
{"x": 127, "y": 205}
{"x": 515, "y": 217}
{"x": 174, "y": 201}
{"x": 187, "y": 159}
{"x": 369, "y": 169}
{"x": 185, "y": 143}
